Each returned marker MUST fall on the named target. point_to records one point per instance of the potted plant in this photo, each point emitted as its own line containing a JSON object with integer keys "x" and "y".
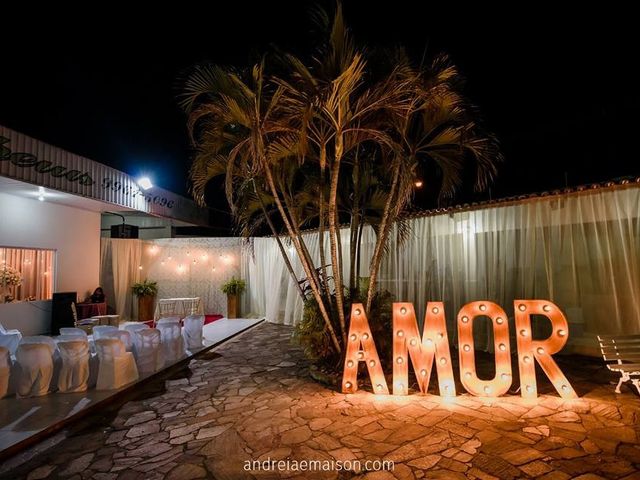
{"x": 146, "y": 292}
{"x": 233, "y": 288}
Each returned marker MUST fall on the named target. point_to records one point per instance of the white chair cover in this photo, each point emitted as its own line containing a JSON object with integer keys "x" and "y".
{"x": 74, "y": 375}
{"x": 5, "y": 370}
{"x": 10, "y": 339}
{"x": 99, "y": 330}
{"x": 133, "y": 327}
{"x": 117, "y": 366}
{"x": 123, "y": 335}
{"x": 147, "y": 350}
{"x": 65, "y": 331}
{"x": 55, "y": 354}
{"x": 36, "y": 369}
{"x": 192, "y": 331}
{"x": 168, "y": 320}
{"x": 172, "y": 342}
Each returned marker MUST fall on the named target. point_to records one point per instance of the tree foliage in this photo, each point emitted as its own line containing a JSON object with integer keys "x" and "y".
{"x": 335, "y": 138}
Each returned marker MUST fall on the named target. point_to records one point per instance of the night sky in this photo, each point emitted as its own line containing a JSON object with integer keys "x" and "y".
{"x": 559, "y": 89}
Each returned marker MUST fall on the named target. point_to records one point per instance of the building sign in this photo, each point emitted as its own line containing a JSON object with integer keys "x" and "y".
{"x": 28, "y": 160}
{"x": 432, "y": 347}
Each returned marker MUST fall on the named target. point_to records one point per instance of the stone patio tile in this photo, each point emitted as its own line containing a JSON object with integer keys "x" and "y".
{"x": 245, "y": 404}
{"x": 522, "y": 456}
{"x": 536, "y": 468}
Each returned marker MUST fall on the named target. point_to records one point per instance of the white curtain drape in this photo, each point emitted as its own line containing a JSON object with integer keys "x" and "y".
{"x": 581, "y": 251}
{"x": 182, "y": 267}
{"x": 36, "y": 269}
{"x": 119, "y": 270}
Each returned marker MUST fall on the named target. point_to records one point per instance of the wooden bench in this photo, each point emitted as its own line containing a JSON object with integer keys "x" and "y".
{"x": 621, "y": 354}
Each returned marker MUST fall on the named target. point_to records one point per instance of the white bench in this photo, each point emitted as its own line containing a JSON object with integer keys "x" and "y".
{"x": 621, "y": 354}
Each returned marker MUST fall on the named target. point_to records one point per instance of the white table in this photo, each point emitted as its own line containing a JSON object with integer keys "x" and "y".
{"x": 182, "y": 306}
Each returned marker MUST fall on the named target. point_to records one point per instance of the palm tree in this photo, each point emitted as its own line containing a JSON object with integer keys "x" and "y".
{"x": 439, "y": 132}
{"x": 234, "y": 125}
{"x": 336, "y": 139}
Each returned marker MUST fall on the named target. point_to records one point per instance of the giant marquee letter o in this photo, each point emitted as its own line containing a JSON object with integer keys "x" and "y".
{"x": 502, "y": 380}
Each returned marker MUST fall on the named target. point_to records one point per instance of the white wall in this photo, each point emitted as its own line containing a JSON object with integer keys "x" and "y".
{"x": 73, "y": 233}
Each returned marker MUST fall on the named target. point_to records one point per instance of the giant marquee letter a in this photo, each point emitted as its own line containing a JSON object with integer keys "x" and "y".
{"x": 422, "y": 352}
{"x": 541, "y": 350}
{"x": 361, "y": 348}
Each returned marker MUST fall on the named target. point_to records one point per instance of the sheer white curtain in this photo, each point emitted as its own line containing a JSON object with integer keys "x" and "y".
{"x": 36, "y": 269}
{"x": 119, "y": 270}
{"x": 581, "y": 251}
{"x": 183, "y": 267}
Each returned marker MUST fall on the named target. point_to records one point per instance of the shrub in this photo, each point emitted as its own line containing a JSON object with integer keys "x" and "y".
{"x": 310, "y": 333}
{"x": 234, "y": 286}
{"x": 146, "y": 288}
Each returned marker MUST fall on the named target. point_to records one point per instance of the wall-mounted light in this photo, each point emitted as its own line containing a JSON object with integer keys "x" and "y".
{"x": 145, "y": 183}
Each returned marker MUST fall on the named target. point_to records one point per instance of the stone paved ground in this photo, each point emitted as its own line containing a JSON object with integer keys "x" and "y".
{"x": 253, "y": 399}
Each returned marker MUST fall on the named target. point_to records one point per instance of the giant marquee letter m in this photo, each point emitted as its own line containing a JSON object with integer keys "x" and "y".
{"x": 433, "y": 346}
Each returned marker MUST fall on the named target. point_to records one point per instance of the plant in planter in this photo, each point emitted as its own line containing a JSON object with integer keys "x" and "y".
{"x": 146, "y": 292}
{"x": 233, "y": 288}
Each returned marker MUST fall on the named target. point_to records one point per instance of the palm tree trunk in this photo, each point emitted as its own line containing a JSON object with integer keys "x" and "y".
{"x": 381, "y": 240}
{"x": 323, "y": 259}
{"x": 303, "y": 260}
{"x": 285, "y": 257}
{"x": 358, "y": 250}
{"x": 353, "y": 231}
{"x": 296, "y": 228}
{"x": 333, "y": 239}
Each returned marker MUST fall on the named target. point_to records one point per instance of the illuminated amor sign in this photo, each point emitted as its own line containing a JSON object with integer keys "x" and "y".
{"x": 432, "y": 347}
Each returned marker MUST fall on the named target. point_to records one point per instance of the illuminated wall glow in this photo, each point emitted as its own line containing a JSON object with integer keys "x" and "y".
{"x": 541, "y": 350}
{"x": 502, "y": 380}
{"x": 361, "y": 348}
{"x": 433, "y": 346}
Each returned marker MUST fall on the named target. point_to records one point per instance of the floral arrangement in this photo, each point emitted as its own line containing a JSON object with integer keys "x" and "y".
{"x": 9, "y": 276}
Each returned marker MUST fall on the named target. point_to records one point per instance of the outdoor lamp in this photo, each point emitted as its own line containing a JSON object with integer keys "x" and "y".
{"x": 145, "y": 183}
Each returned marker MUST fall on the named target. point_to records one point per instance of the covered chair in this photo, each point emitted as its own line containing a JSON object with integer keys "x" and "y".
{"x": 192, "y": 331}
{"x": 147, "y": 350}
{"x": 117, "y": 366}
{"x": 5, "y": 370}
{"x": 172, "y": 342}
{"x": 168, "y": 320}
{"x": 35, "y": 360}
{"x": 10, "y": 339}
{"x": 74, "y": 374}
{"x": 123, "y": 335}
{"x": 100, "y": 330}
{"x": 132, "y": 328}
{"x": 72, "y": 331}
